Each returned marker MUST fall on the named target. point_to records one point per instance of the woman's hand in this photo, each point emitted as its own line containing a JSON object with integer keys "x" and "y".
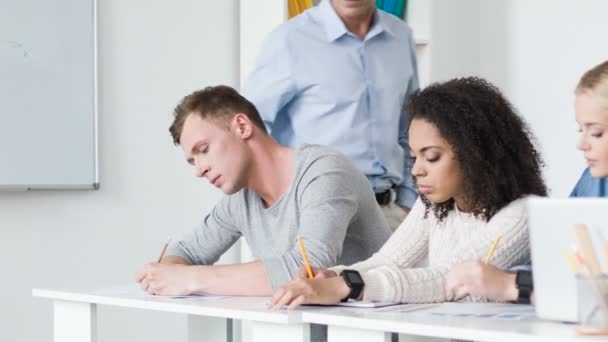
{"x": 325, "y": 291}
{"x": 478, "y": 279}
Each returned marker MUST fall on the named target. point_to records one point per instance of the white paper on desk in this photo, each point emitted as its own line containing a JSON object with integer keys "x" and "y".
{"x": 201, "y": 295}
{"x": 135, "y": 291}
{"x": 479, "y": 310}
{"x": 365, "y": 304}
{"x": 403, "y": 308}
{"x": 350, "y": 303}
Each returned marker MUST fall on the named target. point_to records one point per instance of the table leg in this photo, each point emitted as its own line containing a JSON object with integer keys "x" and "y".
{"x": 74, "y": 321}
{"x": 201, "y": 328}
{"x": 342, "y": 334}
{"x": 268, "y": 332}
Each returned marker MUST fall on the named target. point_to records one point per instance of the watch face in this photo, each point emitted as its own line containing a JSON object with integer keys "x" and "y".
{"x": 353, "y": 277}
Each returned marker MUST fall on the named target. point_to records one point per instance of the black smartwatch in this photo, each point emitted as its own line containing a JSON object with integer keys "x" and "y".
{"x": 525, "y": 286}
{"x": 354, "y": 282}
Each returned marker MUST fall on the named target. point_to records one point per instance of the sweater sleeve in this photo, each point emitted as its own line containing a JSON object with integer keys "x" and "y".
{"x": 393, "y": 281}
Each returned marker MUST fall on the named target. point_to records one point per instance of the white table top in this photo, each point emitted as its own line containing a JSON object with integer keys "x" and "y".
{"x": 382, "y": 319}
{"x": 243, "y": 308}
{"x": 477, "y": 329}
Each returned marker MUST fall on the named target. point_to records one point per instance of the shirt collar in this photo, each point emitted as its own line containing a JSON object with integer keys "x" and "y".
{"x": 335, "y": 28}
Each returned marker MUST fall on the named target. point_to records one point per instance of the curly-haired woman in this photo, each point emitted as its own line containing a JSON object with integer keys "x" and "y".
{"x": 591, "y": 107}
{"x": 474, "y": 161}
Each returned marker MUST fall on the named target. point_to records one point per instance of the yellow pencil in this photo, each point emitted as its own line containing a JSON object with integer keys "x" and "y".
{"x": 162, "y": 253}
{"x": 305, "y": 256}
{"x": 492, "y": 249}
{"x": 586, "y": 247}
{"x": 571, "y": 261}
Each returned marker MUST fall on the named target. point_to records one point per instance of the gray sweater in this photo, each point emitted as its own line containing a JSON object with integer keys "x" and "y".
{"x": 329, "y": 204}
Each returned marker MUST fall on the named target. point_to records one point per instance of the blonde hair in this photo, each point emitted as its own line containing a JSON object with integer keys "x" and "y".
{"x": 595, "y": 81}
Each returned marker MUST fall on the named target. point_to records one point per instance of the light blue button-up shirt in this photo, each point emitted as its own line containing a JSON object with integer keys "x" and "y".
{"x": 316, "y": 82}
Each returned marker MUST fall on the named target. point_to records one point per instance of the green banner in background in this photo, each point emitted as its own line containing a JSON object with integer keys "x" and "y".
{"x": 394, "y": 7}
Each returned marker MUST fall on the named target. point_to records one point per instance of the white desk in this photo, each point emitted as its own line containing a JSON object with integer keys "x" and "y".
{"x": 353, "y": 325}
{"x": 75, "y": 312}
{"x": 75, "y": 319}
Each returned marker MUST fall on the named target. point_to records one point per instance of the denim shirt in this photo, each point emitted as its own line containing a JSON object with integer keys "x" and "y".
{"x": 588, "y": 186}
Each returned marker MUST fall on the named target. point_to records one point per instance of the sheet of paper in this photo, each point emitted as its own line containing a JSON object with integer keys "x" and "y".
{"x": 365, "y": 304}
{"x": 406, "y": 308}
{"x": 477, "y": 310}
{"x": 135, "y": 291}
{"x": 350, "y": 303}
{"x": 201, "y": 295}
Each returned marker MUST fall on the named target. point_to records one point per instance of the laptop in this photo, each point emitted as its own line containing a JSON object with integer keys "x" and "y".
{"x": 551, "y": 224}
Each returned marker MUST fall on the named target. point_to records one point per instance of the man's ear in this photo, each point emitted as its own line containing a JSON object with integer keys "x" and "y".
{"x": 242, "y": 126}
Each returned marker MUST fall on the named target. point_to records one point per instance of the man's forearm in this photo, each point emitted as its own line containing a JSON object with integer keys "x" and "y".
{"x": 247, "y": 279}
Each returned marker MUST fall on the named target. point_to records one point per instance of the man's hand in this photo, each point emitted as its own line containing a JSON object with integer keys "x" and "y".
{"x": 478, "y": 279}
{"x": 318, "y": 273}
{"x": 168, "y": 279}
{"x": 310, "y": 291}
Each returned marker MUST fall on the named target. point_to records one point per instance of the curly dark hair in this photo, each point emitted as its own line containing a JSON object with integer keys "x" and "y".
{"x": 493, "y": 145}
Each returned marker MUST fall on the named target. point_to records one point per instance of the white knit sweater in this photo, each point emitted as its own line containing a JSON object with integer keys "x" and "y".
{"x": 390, "y": 274}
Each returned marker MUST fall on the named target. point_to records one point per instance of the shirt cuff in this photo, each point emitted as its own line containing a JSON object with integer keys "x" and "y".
{"x": 406, "y": 197}
{"x": 521, "y": 268}
{"x": 374, "y": 289}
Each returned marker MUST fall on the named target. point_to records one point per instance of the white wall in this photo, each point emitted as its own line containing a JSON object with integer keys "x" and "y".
{"x": 151, "y": 53}
{"x": 454, "y": 38}
{"x": 536, "y": 51}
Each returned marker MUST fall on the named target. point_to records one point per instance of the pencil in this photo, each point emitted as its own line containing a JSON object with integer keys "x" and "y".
{"x": 571, "y": 261}
{"x": 492, "y": 249}
{"x": 586, "y": 247}
{"x": 162, "y": 253}
{"x": 305, "y": 256}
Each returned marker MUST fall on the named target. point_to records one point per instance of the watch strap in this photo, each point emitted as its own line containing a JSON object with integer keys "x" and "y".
{"x": 355, "y": 289}
{"x": 525, "y": 286}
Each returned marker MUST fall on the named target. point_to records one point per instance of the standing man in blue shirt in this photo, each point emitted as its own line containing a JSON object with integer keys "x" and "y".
{"x": 339, "y": 74}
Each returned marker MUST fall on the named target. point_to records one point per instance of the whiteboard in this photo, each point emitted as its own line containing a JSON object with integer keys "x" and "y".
{"x": 48, "y": 95}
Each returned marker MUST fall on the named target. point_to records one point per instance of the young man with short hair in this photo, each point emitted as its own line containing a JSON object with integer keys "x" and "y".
{"x": 275, "y": 194}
